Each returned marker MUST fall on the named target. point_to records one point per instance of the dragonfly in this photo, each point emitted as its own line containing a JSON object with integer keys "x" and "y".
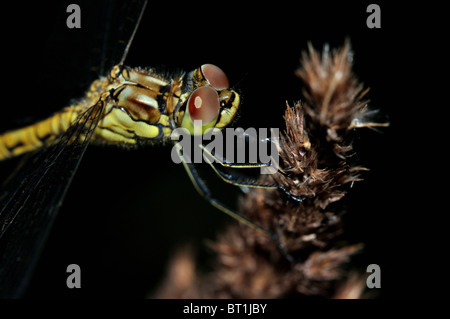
{"x": 129, "y": 107}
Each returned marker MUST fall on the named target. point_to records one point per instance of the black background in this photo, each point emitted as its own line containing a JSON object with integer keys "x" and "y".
{"x": 126, "y": 213}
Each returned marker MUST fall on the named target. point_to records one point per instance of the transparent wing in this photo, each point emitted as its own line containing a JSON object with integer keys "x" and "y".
{"x": 122, "y": 18}
{"x": 31, "y": 197}
{"x": 83, "y": 54}
{"x": 30, "y": 201}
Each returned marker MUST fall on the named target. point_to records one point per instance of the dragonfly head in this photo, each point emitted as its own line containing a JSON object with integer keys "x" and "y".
{"x": 211, "y": 103}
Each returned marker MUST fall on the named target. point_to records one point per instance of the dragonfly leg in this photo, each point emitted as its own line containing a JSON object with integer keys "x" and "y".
{"x": 203, "y": 190}
{"x": 229, "y": 178}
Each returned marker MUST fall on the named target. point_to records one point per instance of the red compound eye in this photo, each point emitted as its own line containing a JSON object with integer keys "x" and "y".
{"x": 204, "y": 105}
{"x": 215, "y": 76}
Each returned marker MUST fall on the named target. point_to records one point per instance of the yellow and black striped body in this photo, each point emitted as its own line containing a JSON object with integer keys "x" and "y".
{"x": 139, "y": 106}
{"x": 17, "y": 142}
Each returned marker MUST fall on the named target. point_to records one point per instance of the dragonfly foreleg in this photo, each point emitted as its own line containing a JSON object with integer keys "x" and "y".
{"x": 229, "y": 178}
{"x": 204, "y": 191}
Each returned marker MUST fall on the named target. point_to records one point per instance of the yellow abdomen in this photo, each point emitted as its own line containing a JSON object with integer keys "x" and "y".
{"x": 44, "y": 133}
{"x": 37, "y": 135}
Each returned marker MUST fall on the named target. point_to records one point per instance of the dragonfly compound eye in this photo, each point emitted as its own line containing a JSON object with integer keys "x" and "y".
{"x": 215, "y": 76}
{"x": 204, "y": 105}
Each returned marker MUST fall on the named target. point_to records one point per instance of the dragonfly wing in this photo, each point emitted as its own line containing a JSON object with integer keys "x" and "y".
{"x": 121, "y": 19}
{"x": 30, "y": 201}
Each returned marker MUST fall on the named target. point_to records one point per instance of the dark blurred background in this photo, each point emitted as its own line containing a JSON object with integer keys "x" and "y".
{"x": 127, "y": 212}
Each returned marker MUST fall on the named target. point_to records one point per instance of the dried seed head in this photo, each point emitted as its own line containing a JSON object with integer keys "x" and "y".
{"x": 314, "y": 151}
